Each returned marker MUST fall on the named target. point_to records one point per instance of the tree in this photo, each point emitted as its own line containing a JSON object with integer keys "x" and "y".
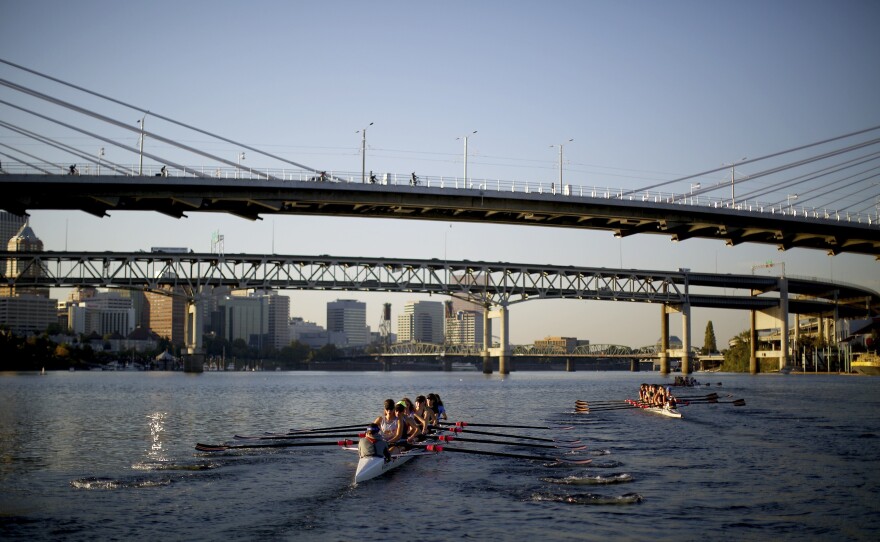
{"x": 709, "y": 344}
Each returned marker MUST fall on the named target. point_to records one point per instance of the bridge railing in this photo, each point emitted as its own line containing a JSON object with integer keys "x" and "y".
{"x": 552, "y": 189}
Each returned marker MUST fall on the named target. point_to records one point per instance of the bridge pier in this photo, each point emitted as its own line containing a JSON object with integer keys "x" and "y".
{"x": 569, "y": 365}
{"x": 753, "y": 342}
{"x": 783, "y": 314}
{"x": 634, "y": 365}
{"x": 504, "y": 354}
{"x": 487, "y": 340}
{"x": 686, "y": 355}
{"x": 664, "y": 340}
{"x": 195, "y": 355}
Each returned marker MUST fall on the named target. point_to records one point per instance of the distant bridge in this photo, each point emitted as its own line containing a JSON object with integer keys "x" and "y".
{"x": 524, "y": 350}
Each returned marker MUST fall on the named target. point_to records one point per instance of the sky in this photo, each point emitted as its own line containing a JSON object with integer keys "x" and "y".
{"x": 648, "y": 91}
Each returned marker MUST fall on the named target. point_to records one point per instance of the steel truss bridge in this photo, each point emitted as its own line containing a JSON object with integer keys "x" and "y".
{"x": 486, "y": 283}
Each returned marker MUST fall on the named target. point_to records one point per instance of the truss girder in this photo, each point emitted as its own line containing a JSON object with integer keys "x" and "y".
{"x": 485, "y": 283}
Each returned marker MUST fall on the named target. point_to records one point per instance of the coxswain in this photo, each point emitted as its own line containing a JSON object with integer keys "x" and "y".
{"x": 373, "y": 444}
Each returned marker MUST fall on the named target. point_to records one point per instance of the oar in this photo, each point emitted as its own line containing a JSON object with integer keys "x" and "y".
{"x": 466, "y": 424}
{"x": 606, "y": 409}
{"x": 598, "y": 403}
{"x": 736, "y": 402}
{"x": 697, "y": 397}
{"x": 507, "y": 435}
{"x": 450, "y": 438}
{"x": 221, "y": 447}
{"x": 326, "y": 429}
{"x": 297, "y": 436}
{"x": 438, "y": 448}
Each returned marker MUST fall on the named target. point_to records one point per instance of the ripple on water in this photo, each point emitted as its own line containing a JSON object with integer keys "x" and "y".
{"x": 111, "y": 483}
{"x": 588, "y": 498}
{"x": 598, "y": 479}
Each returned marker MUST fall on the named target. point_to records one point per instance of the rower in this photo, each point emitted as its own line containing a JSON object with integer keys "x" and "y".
{"x": 426, "y": 412}
{"x": 373, "y": 445}
{"x": 410, "y": 425}
{"x": 389, "y": 423}
{"x": 437, "y": 405}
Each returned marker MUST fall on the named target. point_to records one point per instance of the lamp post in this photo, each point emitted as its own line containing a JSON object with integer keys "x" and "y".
{"x": 560, "y": 160}
{"x": 733, "y": 180}
{"x": 364, "y": 153}
{"x": 141, "y": 166}
{"x": 238, "y": 171}
{"x": 465, "y": 137}
{"x": 100, "y": 155}
{"x": 790, "y": 197}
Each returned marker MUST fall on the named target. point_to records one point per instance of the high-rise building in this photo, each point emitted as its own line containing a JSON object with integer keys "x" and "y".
{"x": 167, "y": 315}
{"x": 25, "y": 240}
{"x": 465, "y": 328}
{"x": 279, "y": 319}
{"x": 261, "y": 318}
{"x": 421, "y": 321}
{"x": 10, "y": 225}
{"x": 103, "y": 313}
{"x": 348, "y": 317}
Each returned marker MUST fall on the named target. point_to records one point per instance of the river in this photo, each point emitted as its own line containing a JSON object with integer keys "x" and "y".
{"x": 110, "y": 456}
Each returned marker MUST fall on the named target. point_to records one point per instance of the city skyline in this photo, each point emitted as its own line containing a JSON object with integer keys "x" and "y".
{"x": 646, "y": 92}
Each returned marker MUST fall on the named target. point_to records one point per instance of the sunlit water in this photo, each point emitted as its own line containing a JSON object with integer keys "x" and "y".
{"x": 110, "y": 456}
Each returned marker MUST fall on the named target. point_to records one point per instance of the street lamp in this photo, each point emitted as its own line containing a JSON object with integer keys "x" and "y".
{"x": 560, "y": 160}
{"x": 364, "y": 153}
{"x": 790, "y": 197}
{"x": 694, "y": 186}
{"x": 465, "y": 137}
{"x": 732, "y": 180}
{"x": 141, "y": 123}
{"x": 240, "y": 158}
{"x": 100, "y": 155}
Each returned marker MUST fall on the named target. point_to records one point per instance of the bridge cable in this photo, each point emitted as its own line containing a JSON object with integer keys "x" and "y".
{"x": 753, "y": 160}
{"x": 801, "y": 179}
{"x": 102, "y": 138}
{"x": 158, "y": 116}
{"x": 120, "y": 124}
{"x": 797, "y": 164}
{"x": 67, "y": 148}
{"x": 19, "y": 160}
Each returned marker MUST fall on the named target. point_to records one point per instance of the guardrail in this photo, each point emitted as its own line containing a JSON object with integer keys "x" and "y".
{"x": 458, "y": 183}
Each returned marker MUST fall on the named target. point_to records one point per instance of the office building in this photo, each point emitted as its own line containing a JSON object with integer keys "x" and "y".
{"x": 104, "y": 313}
{"x": 10, "y": 225}
{"x": 26, "y": 314}
{"x": 421, "y": 322}
{"x": 465, "y": 327}
{"x": 25, "y": 240}
{"x": 347, "y": 323}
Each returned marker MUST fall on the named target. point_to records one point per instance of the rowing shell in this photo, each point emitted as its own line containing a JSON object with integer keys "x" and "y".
{"x": 663, "y": 411}
{"x": 371, "y": 467}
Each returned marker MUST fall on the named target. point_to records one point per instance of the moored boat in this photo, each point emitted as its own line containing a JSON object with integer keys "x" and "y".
{"x": 867, "y": 363}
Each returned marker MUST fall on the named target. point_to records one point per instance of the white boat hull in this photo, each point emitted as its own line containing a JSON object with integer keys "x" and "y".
{"x": 663, "y": 411}
{"x": 371, "y": 467}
